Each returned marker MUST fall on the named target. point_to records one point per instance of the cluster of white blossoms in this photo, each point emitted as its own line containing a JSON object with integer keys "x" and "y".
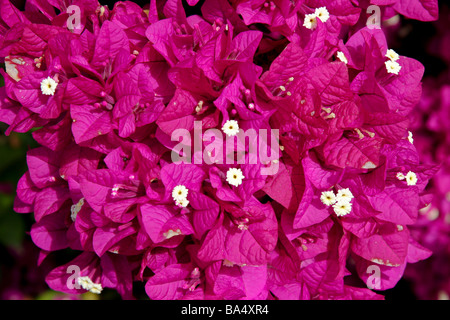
{"x": 179, "y": 195}
{"x": 48, "y": 86}
{"x": 87, "y": 284}
{"x": 392, "y": 66}
{"x": 411, "y": 178}
{"x": 310, "y": 21}
{"x": 341, "y": 202}
{"x": 235, "y": 176}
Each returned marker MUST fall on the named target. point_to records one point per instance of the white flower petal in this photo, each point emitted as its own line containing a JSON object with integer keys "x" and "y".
{"x": 392, "y": 55}
{"x": 411, "y": 178}
{"x": 342, "y": 208}
{"x": 231, "y": 128}
{"x": 392, "y": 67}
{"x": 235, "y": 177}
{"x": 310, "y": 21}
{"x": 322, "y": 13}
{"x": 48, "y": 86}
{"x": 344, "y": 195}
{"x": 328, "y": 198}
{"x": 180, "y": 192}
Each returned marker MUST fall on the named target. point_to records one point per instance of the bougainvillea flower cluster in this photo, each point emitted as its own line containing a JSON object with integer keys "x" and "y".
{"x": 104, "y": 97}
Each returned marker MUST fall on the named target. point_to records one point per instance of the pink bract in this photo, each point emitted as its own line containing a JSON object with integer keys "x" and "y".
{"x": 126, "y": 79}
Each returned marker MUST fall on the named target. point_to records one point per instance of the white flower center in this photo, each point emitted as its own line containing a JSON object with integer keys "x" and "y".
{"x": 328, "y": 198}
{"x": 322, "y": 13}
{"x": 342, "y": 208}
{"x": 48, "y": 86}
{"x": 344, "y": 195}
{"x": 392, "y": 67}
{"x": 180, "y": 192}
{"x": 392, "y": 55}
{"x": 231, "y": 128}
{"x": 310, "y": 21}
{"x": 411, "y": 178}
{"x": 235, "y": 176}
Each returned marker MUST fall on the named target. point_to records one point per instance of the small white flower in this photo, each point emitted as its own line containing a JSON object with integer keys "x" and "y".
{"x": 392, "y": 55}
{"x": 411, "y": 178}
{"x": 96, "y": 288}
{"x": 342, "y": 208}
{"x": 48, "y": 86}
{"x": 180, "y": 192}
{"x": 310, "y": 21}
{"x": 344, "y": 195}
{"x": 392, "y": 67}
{"x": 231, "y": 128}
{"x": 322, "y": 13}
{"x": 85, "y": 282}
{"x": 400, "y": 176}
{"x": 328, "y": 198}
{"x": 410, "y": 137}
{"x": 235, "y": 176}
{"x": 182, "y": 202}
{"x": 341, "y": 56}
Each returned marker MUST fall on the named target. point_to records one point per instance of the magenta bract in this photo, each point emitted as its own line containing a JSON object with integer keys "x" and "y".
{"x": 107, "y": 96}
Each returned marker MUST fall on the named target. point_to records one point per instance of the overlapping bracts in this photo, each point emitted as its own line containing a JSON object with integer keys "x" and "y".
{"x": 107, "y": 96}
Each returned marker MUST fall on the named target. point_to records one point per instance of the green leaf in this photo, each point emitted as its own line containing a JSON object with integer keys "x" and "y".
{"x": 12, "y": 228}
